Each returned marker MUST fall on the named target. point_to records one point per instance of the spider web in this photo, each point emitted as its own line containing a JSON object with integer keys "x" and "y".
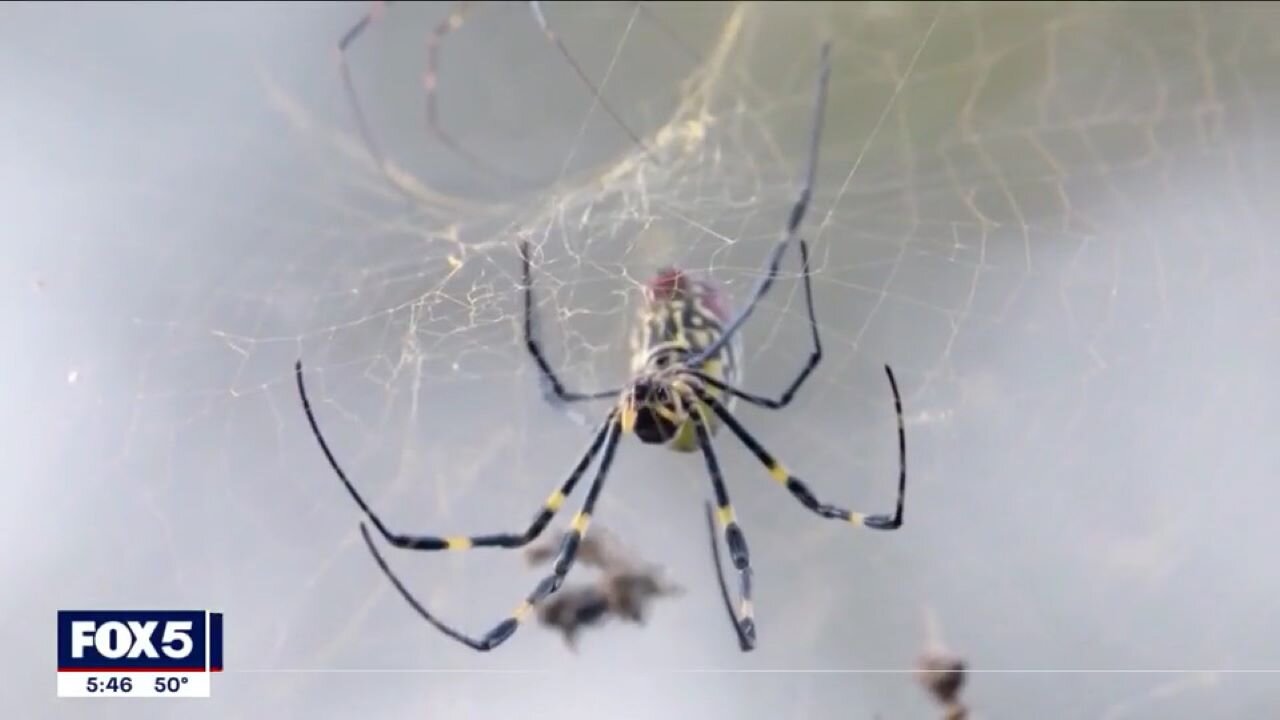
{"x": 1050, "y": 220}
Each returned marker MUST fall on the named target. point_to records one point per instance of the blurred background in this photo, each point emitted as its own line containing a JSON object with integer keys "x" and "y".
{"x": 1051, "y": 219}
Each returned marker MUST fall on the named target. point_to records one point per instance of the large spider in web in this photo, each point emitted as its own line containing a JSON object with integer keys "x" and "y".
{"x": 684, "y": 382}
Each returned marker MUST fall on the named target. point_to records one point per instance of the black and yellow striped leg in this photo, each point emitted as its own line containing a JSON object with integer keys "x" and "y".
{"x": 791, "y": 229}
{"x": 743, "y": 619}
{"x": 552, "y": 389}
{"x": 501, "y": 632}
{"x": 799, "y": 490}
{"x": 764, "y": 402}
{"x": 815, "y": 355}
{"x": 460, "y": 542}
{"x": 744, "y": 643}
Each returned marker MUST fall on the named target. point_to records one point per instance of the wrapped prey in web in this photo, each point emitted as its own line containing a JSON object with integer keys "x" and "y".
{"x": 625, "y": 587}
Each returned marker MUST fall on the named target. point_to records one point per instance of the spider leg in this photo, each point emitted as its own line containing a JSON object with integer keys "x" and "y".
{"x": 430, "y": 80}
{"x": 459, "y": 542}
{"x": 553, "y": 389}
{"x": 794, "y": 219}
{"x": 743, "y": 621}
{"x": 815, "y": 356}
{"x": 457, "y": 15}
{"x": 353, "y": 97}
{"x": 798, "y": 489}
{"x": 536, "y": 8}
{"x": 501, "y": 632}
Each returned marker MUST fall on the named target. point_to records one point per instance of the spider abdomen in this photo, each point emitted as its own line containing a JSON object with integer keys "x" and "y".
{"x": 681, "y": 316}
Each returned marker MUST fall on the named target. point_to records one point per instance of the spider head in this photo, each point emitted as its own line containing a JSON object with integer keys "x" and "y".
{"x": 652, "y": 411}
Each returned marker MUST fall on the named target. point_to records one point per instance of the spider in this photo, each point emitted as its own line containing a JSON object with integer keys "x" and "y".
{"x": 683, "y": 383}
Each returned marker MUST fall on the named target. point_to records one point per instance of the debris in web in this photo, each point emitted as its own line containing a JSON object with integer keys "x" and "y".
{"x": 942, "y": 676}
{"x": 625, "y": 588}
{"x": 941, "y": 672}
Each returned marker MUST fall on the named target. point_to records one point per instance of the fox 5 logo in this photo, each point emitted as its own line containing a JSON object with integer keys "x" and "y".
{"x": 139, "y": 640}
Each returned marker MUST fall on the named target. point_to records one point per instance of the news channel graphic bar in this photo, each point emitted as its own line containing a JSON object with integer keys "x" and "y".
{"x": 138, "y": 653}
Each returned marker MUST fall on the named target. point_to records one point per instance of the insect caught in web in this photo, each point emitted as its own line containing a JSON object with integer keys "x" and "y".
{"x": 684, "y": 381}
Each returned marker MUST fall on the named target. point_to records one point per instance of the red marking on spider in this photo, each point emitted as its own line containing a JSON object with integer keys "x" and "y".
{"x": 668, "y": 284}
{"x": 672, "y": 283}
